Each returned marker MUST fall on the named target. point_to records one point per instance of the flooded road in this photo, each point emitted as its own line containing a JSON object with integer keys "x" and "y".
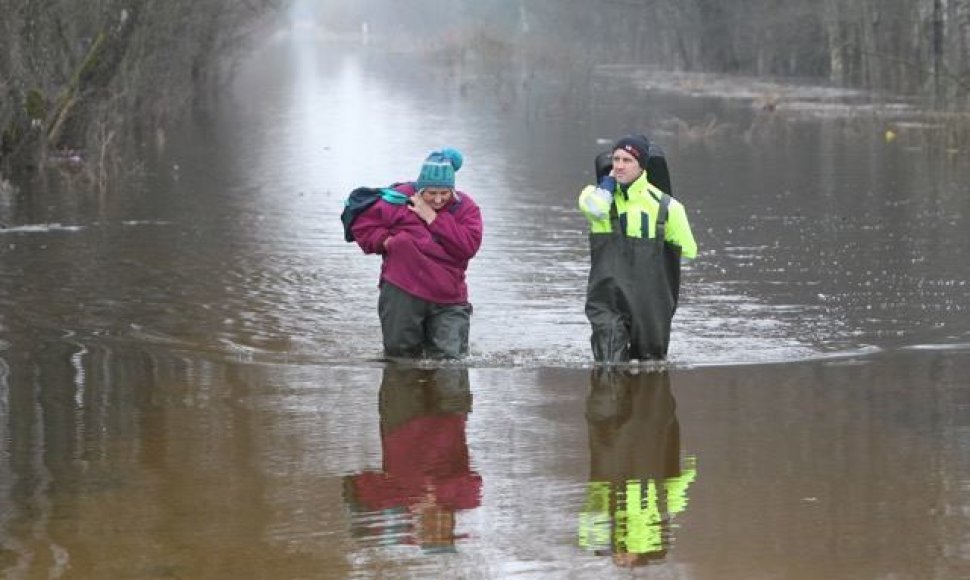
{"x": 190, "y": 383}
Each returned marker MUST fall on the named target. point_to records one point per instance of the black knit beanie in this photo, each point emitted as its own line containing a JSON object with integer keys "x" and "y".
{"x": 636, "y": 145}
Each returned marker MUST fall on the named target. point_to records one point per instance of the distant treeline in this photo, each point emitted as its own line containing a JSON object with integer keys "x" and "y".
{"x": 103, "y": 76}
{"x": 913, "y": 47}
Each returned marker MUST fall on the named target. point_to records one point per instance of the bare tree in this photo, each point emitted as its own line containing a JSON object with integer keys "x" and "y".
{"x": 90, "y": 78}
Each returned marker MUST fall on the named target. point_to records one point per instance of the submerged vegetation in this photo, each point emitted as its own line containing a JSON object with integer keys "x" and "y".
{"x": 870, "y": 66}
{"x": 912, "y": 47}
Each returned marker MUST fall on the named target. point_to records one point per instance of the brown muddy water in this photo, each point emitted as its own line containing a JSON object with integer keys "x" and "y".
{"x": 190, "y": 374}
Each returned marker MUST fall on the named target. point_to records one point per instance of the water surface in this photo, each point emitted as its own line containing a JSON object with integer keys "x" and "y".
{"x": 190, "y": 383}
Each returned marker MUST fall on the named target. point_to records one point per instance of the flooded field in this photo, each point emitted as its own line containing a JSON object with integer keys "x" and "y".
{"x": 190, "y": 373}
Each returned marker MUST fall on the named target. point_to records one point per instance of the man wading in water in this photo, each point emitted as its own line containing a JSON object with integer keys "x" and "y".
{"x": 638, "y": 236}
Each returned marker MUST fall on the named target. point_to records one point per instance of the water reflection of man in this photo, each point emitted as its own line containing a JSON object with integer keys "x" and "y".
{"x": 636, "y": 482}
{"x": 426, "y": 476}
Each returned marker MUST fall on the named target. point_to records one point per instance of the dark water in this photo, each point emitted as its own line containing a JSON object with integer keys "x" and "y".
{"x": 189, "y": 384}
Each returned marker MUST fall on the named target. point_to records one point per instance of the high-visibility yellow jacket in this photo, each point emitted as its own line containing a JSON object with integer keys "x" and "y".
{"x": 635, "y": 211}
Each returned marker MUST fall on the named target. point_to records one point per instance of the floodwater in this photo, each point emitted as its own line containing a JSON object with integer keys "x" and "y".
{"x": 190, "y": 373}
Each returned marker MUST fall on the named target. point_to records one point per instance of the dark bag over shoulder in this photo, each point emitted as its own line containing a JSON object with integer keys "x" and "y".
{"x": 359, "y": 200}
{"x": 363, "y": 197}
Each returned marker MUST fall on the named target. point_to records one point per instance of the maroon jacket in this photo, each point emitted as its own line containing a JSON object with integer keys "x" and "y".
{"x": 426, "y": 261}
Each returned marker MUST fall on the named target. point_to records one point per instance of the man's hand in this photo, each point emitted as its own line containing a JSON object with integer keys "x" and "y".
{"x": 421, "y": 207}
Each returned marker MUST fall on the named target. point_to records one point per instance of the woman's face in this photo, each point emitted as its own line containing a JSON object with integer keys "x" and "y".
{"x": 626, "y": 168}
{"x": 436, "y": 197}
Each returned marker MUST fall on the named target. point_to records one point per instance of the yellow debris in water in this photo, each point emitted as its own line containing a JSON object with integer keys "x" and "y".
{"x": 890, "y": 135}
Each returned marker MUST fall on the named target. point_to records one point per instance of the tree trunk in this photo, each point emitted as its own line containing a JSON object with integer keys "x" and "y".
{"x": 835, "y": 43}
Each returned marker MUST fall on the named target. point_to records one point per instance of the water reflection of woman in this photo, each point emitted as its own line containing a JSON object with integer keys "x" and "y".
{"x": 637, "y": 482}
{"x": 426, "y": 476}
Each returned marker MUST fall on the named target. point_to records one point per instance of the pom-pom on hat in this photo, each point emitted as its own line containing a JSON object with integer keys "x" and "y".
{"x": 439, "y": 169}
{"x": 636, "y": 145}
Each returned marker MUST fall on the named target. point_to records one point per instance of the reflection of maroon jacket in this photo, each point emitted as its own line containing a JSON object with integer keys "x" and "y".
{"x": 426, "y": 261}
{"x": 428, "y": 452}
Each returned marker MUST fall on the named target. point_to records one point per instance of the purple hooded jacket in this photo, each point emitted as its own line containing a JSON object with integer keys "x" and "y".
{"x": 426, "y": 261}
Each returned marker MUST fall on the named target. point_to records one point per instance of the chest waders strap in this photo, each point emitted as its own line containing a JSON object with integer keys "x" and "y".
{"x": 662, "y": 218}
{"x": 618, "y": 222}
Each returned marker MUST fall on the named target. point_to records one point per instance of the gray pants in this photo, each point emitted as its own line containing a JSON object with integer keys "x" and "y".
{"x": 415, "y": 328}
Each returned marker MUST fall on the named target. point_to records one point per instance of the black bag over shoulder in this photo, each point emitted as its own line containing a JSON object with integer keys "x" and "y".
{"x": 359, "y": 200}
{"x": 363, "y": 197}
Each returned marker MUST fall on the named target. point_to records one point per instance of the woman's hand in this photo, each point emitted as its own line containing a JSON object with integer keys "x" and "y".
{"x": 422, "y": 209}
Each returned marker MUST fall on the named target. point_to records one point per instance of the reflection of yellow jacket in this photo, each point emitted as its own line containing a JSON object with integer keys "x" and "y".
{"x": 640, "y": 199}
{"x": 630, "y": 522}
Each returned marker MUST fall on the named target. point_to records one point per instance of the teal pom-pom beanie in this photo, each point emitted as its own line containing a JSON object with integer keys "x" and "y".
{"x": 439, "y": 169}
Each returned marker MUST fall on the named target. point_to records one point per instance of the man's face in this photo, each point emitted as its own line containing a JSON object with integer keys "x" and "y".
{"x": 626, "y": 168}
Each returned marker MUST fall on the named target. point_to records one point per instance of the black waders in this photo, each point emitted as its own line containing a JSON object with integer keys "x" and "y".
{"x": 632, "y": 294}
